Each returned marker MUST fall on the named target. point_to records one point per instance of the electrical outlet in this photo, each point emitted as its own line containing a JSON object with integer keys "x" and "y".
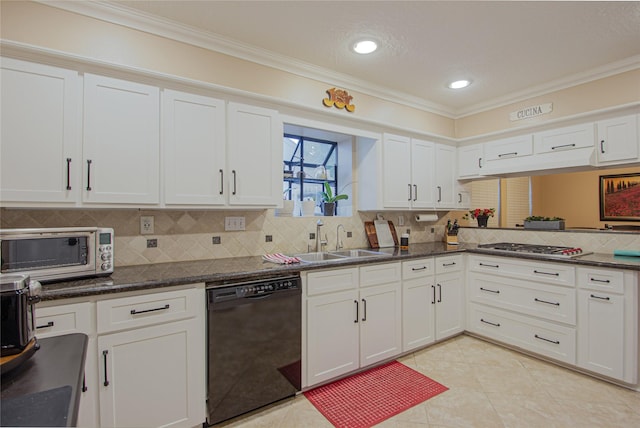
{"x": 234, "y": 223}
{"x": 400, "y": 220}
{"x": 349, "y": 234}
{"x": 152, "y": 243}
{"x": 215, "y": 240}
{"x": 268, "y": 238}
{"x": 433, "y": 230}
{"x": 312, "y": 236}
{"x": 146, "y": 225}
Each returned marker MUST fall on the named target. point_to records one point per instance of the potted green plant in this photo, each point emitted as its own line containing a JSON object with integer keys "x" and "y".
{"x": 544, "y": 223}
{"x": 329, "y": 200}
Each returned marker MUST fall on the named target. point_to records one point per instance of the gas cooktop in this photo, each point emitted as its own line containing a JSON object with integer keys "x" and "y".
{"x": 543, "y": 250}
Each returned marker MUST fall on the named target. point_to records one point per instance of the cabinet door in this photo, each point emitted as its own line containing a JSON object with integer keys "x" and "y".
{"x": 470, "y": 161}
{"x": 449, "y": 305}
{"x": 601, "y": 333}
{"x": 255, "y": 156}
{"x": 422, "y": 174}
{"x": 332, "y": 335}
{"x": 618, "y": 140}
{"x": 418, "y": 304}
{"x": 396, "y": 170}
{"x": 121, "y": 143}
{"x": 40, "y": 123}
{"x": 380, "y": 323}
{"x": 153, "y": 376}
{"x": 194, "y": 133}
{"x": 445, "y": 167}
{"x": 75, "y": 318}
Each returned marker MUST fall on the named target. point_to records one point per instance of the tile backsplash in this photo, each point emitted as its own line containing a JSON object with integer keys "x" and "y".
{"x": 189, "y": 234}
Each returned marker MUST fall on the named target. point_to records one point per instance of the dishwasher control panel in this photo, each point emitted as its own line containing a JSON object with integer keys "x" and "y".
{"x": 271, "y": 286}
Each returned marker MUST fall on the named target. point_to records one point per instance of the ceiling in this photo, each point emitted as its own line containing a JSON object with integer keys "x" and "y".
{"x": 510, "y": 50}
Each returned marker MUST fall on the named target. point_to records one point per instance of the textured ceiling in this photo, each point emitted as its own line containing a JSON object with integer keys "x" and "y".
{"x": 509, "y": 49}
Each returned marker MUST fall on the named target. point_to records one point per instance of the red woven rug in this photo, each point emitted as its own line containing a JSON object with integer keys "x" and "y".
{"x": 370, "y": 397}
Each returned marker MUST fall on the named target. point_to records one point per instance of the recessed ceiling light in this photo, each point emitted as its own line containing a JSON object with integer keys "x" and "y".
{"x": 365, "y": 46}
{"x": 459, "y": 84}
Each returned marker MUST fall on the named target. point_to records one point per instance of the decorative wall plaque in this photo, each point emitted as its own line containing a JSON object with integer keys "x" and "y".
{"x": 532, "y": 111}
{"x": 339, "y": 98}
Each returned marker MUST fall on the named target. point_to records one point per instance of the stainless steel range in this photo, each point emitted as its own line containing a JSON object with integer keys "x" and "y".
{"x": 543, "y": 250}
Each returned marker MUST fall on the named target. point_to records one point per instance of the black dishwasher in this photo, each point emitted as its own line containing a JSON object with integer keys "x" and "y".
{"x": 254, "y": 345}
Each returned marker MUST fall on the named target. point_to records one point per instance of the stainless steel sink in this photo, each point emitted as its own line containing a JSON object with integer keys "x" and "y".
{"x": 327, "y": 256}
{"x": 357, "y": 253}
{"x": 319, "y": 257}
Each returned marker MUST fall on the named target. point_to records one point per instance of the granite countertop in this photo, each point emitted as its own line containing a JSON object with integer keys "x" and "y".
{"x": 218, "y": 272}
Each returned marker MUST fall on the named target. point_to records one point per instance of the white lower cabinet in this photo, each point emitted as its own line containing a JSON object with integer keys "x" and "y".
{"x": 146, "y": 356}
{"x": 58, "y": 318}
{"x": 524, "y": 303}
{"x": 152, "y": 359}
{"x": 607, "y": 323}
{"x": 353, "y": 319}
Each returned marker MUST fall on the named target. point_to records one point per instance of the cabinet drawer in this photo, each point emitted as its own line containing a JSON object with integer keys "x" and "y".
{"x": 446, "y": 264}
{"x": 568, "y": 138}
{"x": 418, "y": 268}
{"x": 332, "y": 280}
{"x": 64, "y": 319}
{"x": 545, "y": 301}
{"x": 509, "y": 148}
{"x": 601, "y": 279}
{"x": 544, "y": 338}
{"x": 380, "y": 274}
{"x": 550, "y": 273}
{"x": 139, "y": 311}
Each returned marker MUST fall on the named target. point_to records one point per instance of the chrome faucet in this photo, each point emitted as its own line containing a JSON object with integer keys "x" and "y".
{"x": 319, "y": 242}
{"x": 338, "y": 241}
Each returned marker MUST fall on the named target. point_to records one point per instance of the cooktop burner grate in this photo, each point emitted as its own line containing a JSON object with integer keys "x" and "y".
{"x": 547, "y": 250}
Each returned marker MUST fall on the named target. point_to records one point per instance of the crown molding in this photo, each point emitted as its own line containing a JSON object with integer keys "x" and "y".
{"x": 134, "y": 19}
{"x": 611, "y": 69}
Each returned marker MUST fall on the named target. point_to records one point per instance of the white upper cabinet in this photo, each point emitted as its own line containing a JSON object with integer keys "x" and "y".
{"x": 508, "y": 155}
{"x": 470, "y": 161}
{"x": 618, "y": 140}
{"x": 411, "y": 173}
{"x": 194, "y": 141}
{"x": 254, "y": 153}
{"x": 444, "y": 165}
{"x": 396, "y": 175}
{"x": 121, "y": 141}
{"x": 40, "y": 159}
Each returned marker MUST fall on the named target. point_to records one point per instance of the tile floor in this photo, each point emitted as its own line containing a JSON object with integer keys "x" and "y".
{"x": 489, "y": 386}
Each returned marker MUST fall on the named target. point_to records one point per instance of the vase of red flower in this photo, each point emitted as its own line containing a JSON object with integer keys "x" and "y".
{"x": 481, "y": 215}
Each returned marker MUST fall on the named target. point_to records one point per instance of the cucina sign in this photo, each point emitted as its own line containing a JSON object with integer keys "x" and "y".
{"x": 532, "y": 111}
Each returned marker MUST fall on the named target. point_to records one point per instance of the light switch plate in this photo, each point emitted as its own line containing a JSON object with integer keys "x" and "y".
{"x": 234, "y": 223}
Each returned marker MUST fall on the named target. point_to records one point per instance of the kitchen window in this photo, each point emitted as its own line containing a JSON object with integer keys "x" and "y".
{"x": 309, "y": 163}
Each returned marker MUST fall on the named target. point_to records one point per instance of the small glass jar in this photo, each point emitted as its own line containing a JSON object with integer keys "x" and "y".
{"x": 404, "y": 241}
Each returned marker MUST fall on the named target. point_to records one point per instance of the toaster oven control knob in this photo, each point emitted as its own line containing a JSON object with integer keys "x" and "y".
{"x": 106, "y": 266}
{"x": 105, "y": 256}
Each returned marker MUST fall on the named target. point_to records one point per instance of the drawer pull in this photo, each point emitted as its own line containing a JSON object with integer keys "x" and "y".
{"x": 134, "y": 312}
{"x": 603, "y": 281}
{"x": 546, "y": 273}
{"x": 104, "y": 357}
{"x": 548, "y": 303}
{"x": 357, "y": 311}
{"x": 47, "y": 325}
{"x": 563, "y": 146}
{"x": 364, "y": 310}
{"x": 490, "y": 323}
{"x": 420, "y": 268}
{"x": 487, "y": 265}
{"x": 508, "y": 154}
{"x": 439, "y": 293}
{"x": 601, "y": 298}
{"x": 490, "y": 291}
{"x": 448, "y": 264}
{"x": 433, "y": 301}
{"x": 84, "y": 383}
{"x": 556, "y": 342}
